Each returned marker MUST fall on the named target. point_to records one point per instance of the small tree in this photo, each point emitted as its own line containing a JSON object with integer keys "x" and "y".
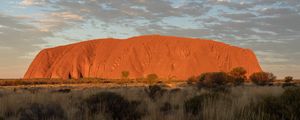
{"x": 152, "y": 77}
{"x": 125, "y": 74}
{"x": 288, "y": 82}
{"x": 238, "y": 71}
{"x": 215, "y": 81}
{"x": 239, "y": 75}
{"x": 288, "y": 79}
{"x": 262, "y": 78}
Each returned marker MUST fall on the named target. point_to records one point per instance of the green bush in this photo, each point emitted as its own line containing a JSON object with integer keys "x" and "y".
{"x": 113, "y": 106}
{"x": 262, "y": 78}
{"x": 37, "y": 111}
{"x": 214, "y": 81}
{"x": 155, "y": 91}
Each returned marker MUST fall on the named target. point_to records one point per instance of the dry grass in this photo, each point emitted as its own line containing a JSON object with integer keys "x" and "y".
{"x": 169, "y": 106}
{"x": 41, "y": 97}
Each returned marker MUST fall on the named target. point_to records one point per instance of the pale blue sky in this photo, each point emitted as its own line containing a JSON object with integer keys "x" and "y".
{"x": 270, "y": 27}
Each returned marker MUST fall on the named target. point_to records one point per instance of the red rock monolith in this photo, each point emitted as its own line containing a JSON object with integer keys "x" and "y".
{"x": 166, "y": 56}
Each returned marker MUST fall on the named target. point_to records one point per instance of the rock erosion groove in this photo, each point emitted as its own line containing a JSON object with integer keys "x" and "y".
{"x": 166, "y": 56}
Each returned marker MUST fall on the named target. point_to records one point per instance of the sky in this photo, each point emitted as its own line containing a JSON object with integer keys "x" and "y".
{"x": 271, "y": 28}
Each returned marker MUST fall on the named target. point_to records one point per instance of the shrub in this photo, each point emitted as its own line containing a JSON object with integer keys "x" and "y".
{"x": 166, "y": 108}
{"x": 125, "y": 74}
{"x": 215, "y": 81}
{"x": 288, "y": 79}
{"x": 271, "y": 107}
{"x": 113, "y": 106}
{"x": 288, "y": 82}
{"x": 290, "y": 100}
{"x": 151, "y": 78}
{"x": 288, "y": 85}
{"x": 236, "y": 81}
{"x": 192, "y": 80}
{"x": 63, "y": 90}
{"x": 238, "y": 76}
{"x": 175, "y": 90}
{"x": 155, "y": 91}
{"x": 238, "y": 72}
{"x": 37, "y": 111}
{"x": 284, "y": 107}
{"x": 194, "y": 105}
{"x": 262, "y": 78}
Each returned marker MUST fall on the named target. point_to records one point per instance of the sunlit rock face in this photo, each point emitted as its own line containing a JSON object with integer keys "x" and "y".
{"x": 166, "y": 56}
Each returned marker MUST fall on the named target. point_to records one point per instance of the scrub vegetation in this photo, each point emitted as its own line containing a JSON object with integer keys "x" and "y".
{"x": 210, "y": 96}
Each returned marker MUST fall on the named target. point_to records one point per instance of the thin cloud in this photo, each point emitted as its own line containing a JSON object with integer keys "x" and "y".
{"x": 267, "y": 26}
{"x": 31, "y": 2}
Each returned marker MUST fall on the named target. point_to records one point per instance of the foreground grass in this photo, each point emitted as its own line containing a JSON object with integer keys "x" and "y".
{"x": 138, "y": 103}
